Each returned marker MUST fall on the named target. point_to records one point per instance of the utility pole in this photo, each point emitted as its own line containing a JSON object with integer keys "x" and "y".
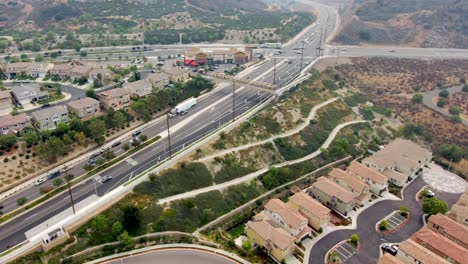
{"x": 69, "y": 190}
{"x": 233, "y": 100}
{"x": 169, "y": 136}
{"x": 317, "y": 54}
{"x": 302, "y": 56}
{"x": 274, "y": 73}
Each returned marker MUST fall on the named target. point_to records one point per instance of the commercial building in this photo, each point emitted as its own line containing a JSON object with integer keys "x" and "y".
{"x": 27, "y": 93}
{"x": 377, "y": 182}
{"x": 50, "y": 117}
{"x": 401, "y": 155}
{"x": 275, "y": 240}
{"x": 85, "y": 107}
{"x": 13, "y": 124}
{"x": 288, "y": 218}
{"x": 317, "y": 215}
{"x": 351, "y": 183}
{"x": 210, "y": 56}
{"x": 332, "y": 195}
{"x": 117, "y": 98}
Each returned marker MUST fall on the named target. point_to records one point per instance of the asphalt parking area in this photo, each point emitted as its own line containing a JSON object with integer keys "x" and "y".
{"x": 443, "y": 180}
{"x": 345, "y": 251}
{"x": 394, "y": 221}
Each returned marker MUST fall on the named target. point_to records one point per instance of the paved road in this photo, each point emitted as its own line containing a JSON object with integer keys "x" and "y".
{"x": 398, "y": 52}
{"x": 175, "y": 256}
{"x": 210, "y": 113}
{"x": 370, "y": 239}
{"x": 428, "y": 96}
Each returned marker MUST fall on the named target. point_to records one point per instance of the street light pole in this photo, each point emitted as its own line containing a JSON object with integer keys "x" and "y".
{"x": 233, "y": 100}
{"x": 69, "y": 189}
{"x": 169, "y": 136}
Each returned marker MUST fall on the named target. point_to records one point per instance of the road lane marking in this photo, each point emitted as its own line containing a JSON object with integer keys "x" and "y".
{"x": 132, "y": 161}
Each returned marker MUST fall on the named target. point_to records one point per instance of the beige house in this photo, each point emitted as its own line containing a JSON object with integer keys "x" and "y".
{"x": 6, "y": 104}
{"x": 158, "y": 79}
{"x": 139, "y": 88}
{"x": 49, "y": 118}
{"x": 288, "y": 218}
{"x": 106, "y": 75}
{"x": 411, "y": 252}
{"x": 378, "y": 182}
{"x": 317, "y": 215}
{"x": 117, "y": 98}
{"x": 450, "y": 229}
{"x": 34, "y": 69}
{"x": 350, "y": 182}
{"x": 61, "y": 71}
{"x": 178, "y": 75}
{"x": 79, "y": 71}
{"x": 401, "y": 155}
{"x": 459, "y": 211}
{"x": 441, "y": 246}
{"x": 272, "y": 238}
{"x": 332, "y": 195}
{"x": 85, "y": 107}
{"x": 13, "y": 124}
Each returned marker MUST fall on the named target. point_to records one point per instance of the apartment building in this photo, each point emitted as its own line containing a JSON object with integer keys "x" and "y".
{"x": 350, "y": 182}
{"x": 49, "y": 118}
{"x": 6, "y": 103}
{"x": 13, "y": 124}
{"x": 318, "y": 216}
{"x": 332, "y": 195}
{"x": 84, "y": 108}
{"x": 178, "y": 75}
{"x": 448, "y": 228}
{"x": 377, "y": 182}
{"x": 27, "y": 93}
{"x": 411, "y": 252}
{"x": 117, "y": 98}
{"x": 138, "y": 89}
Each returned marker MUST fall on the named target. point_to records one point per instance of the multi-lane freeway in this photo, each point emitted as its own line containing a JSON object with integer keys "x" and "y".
{"x": 211, "y": 112}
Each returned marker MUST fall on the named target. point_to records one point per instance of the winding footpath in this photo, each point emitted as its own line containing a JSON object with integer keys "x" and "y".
{"x": 288, "y": 133}
{"x": 369, "y": 238}
{"x": 254, "y": 175}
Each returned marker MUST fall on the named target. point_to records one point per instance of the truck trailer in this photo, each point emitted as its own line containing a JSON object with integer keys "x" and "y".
{"x": 183, "y": 106}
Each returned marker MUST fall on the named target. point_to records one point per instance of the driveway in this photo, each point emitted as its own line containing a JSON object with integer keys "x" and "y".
{"x": 366, "y": 221}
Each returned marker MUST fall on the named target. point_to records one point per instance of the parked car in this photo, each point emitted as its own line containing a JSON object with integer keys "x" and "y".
{"x": 105, "y": 178}
{"x": 40, "y": 181}
{"x": 54, "y": 174}
{"x": 94, "y": 156}
{"x": 430, "y": 193}
{"x": 392, "y": 249}
{"x": 104, "y": 149}
{"x": 116, "y": 144}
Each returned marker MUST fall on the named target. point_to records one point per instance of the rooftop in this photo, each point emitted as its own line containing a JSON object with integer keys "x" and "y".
{"x": 352, "y": 181}
{"x": 116, "y": 92}
{"x": 304, "y": 200}
{"x": 419, "y": 252}
{"x": 158, "y": 76}
{"x": 289, "y": 215}
{"x": 176, "y": 70}
{"x": 451, "y": 227}
{"x": 368, "y": 173}
{"x": 83, "y": 102}
{"x": 26, "y": 87}
{"x": 5, "y": 94}
{"x": 441, "y": 244}
{"x": 332, "y": 189}
{"x": 49, "y": 111}
{"x": 389, "y": 259}
{"x": 9, "y": 120}
{"x": 392, "y": 174}
{"x": 268, "y": 232}
{"x": 137, "y": 84}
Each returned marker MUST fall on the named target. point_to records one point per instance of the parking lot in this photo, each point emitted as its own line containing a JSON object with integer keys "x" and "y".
{"x": 345, "y": 251}
{"x": 394, "y": 221}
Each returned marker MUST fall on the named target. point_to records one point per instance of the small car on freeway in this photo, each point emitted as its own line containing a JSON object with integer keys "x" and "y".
{"x": 40, "y": 181}
{"x": 105, "y": 179}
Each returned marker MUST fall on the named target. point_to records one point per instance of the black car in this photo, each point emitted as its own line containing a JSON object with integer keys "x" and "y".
{"x": 45, "y": 105}
{"x": 116, "y": 144}
{"x": 136, "y": 133}
{"x": 94, "y": 155}
{"x": 53, "y": 174}
{"x": 91, "y": 162}
{"x": 393, "y": 249}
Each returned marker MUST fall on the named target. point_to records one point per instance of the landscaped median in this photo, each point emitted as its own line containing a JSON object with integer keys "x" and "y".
{"x": 343, "y": 250}
{"x": 76, "y": 181}
{"x": 394, "y": 221}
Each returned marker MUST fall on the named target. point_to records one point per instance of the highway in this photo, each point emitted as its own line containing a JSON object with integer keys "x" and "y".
{"x": 211, "y": 112}
{"x": 396, "y": 52}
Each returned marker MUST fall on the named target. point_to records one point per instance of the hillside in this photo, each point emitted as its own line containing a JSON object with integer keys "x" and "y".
{"x": 73, "y": 24}
{"x": 418, "y": 23}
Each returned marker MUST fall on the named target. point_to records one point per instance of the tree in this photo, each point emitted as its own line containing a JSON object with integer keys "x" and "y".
{"x": 117, "y": 229}
{"x": 83, "y": 53}
{"x": 126, "y": 240}
{"x": 442, "y": 102}
{"x": 457, "y": 119}
{"x": 51, "y": 149}
{"x": 455, "y": 110}
{"x": 444, "y": 93}
{"x": 30, "y": 137}
{"x": 76, "y": 124}
{"x": 451, "y": 152}
{"x": 57, "y": 182}
{"x": 417, "y": 98}
{"x": 432, "y": 206}
{"x": 96, "y": 129}
{"x": 99, "y": 222}
{"x": 247, "y": 244}
{"x": 91, "y": 93}
{"x": 119, "y": 119}
{"x": 354, "y": 239}
{"x": 8, "y": 140}
{"x": 383, "y": 225}
{"x": 404, "y": 211}
{"x": 38, "y": 58}
{"x": 131, "y": 219}
{"x": 21, "y": 201}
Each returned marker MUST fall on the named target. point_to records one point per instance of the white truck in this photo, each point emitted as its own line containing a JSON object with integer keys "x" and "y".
{"x": 183, "y": 106}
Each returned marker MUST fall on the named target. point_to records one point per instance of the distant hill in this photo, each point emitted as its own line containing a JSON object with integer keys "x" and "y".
{"x": 220, "y": 5}
{"x": 419, "y": 23}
